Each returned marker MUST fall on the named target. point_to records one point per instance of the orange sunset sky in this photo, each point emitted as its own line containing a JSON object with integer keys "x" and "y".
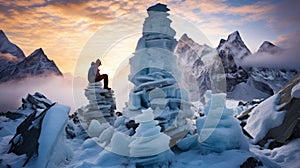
{"x": 63, "y": 27}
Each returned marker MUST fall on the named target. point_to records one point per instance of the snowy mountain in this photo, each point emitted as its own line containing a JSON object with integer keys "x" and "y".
{"x": 267, "y": 46}
{"x": 191, "y": 60}
{"x": 9, "y": 52}
{"x": 257, "y": 82}
{"x": 14, "y": 65}
{"x": 165, "y": 131}
{"x": 269, "y": 80}
{"x": 6, "y": 47}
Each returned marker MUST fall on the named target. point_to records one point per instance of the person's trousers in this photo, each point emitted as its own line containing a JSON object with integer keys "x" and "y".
{"x": 105, "y": 77}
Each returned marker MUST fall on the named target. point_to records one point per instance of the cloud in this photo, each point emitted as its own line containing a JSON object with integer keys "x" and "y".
{"x": 8, "y": 57}
{"x": 57, "y": 89}
{"x": 288, "y": 58}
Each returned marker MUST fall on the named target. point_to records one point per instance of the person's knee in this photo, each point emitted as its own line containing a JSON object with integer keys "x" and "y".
{"x": 105, "y": 75}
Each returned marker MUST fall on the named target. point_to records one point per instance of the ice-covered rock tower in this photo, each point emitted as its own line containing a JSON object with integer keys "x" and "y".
{"x": 155, "y": 75}
{"x": 100, "y": 110}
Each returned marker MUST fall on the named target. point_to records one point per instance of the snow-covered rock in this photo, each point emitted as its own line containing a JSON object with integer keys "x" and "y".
{"x": 296, "y": 91}
{"x": 277, "y": 117}
{"x": 148, "y": 140}
{"x": 149, "y": 145}
{"x": 264, "y": 117}
{"x": 41, "y": 133}
{"x": 245, "y": 92}
{"x": 101, "y": 105}
{"x": 52, "y": 150}
{"x": 219, "y": 130}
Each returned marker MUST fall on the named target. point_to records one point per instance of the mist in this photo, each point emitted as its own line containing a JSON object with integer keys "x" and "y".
{"x": 8, "y": 57}
{"x": 55, "y": 88}
{"x": 286, "y": 59}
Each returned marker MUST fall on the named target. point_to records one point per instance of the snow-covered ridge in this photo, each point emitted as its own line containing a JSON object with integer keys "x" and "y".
{"x": 267, "y": 46}
{"x": 14, "y": 65}
{"x": 262, "y": 80}
{"x": 7, "y": 47}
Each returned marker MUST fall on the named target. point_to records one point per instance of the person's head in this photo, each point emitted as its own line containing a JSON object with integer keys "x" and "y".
{"x": 98, "y": 62}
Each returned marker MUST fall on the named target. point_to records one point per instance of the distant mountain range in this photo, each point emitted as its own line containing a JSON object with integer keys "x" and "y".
{"x": 242, "y": 82}
{"x": 14, "y": 65}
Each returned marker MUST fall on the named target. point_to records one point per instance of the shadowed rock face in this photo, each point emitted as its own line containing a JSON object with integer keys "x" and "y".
{"x": 251, "y": 163}
{"x": 7, "y": 47}
{"x": 25, "y": 141}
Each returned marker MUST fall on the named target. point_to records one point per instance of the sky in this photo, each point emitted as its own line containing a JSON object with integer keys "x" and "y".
{"x": 65, "y": 29}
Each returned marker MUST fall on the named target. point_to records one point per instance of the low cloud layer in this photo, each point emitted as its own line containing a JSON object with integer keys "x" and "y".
{"x": 288, "y": 58}
{"x": 57, "y": 89}
{"x": 8, "y": 57}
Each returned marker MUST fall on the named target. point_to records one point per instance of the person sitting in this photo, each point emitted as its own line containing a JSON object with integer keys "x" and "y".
{"x": 95, "y": 76}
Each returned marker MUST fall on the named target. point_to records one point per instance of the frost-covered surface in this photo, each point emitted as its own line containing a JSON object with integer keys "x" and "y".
{"x": 52, "y": 149}
{"x": 148, "y": 140}
{"x": 88, "y": 153}
{"x": 245, "y": 92}
{"x": 218, "y": 130}
{"x": 264, "y": 117}
{"x": 296, "y": 91}
{"x": 287, "y": 155}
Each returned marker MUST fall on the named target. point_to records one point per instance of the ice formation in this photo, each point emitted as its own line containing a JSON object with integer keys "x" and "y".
{"x": 52, "y": 151}
{"x": 41, "y": 135}
{"x": 99, "y": 113}
{"x": 154, "y": 73}
{"x": 296, "y": 91}
{"x": 149, "y": 146}
{"x": 219, "y": 130}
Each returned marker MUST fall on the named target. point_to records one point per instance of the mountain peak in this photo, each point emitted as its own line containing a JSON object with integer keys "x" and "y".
{"x": 234, "y": 43}
{"x": 7, "y": 47}
{"x": 2, "y": 34}
{"x": 3, "y": 38}
{"x": 37, "y": 53}
{"x": 269, "y": 47}
{"x": 234, "y": 36}
{"x": 185, "y": 38}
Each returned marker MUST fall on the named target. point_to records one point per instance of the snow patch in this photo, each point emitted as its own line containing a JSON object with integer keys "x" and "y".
{"x": 264, "y": 117}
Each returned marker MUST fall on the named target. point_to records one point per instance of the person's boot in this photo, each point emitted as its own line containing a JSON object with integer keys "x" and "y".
{"x": 107, "y": 88}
